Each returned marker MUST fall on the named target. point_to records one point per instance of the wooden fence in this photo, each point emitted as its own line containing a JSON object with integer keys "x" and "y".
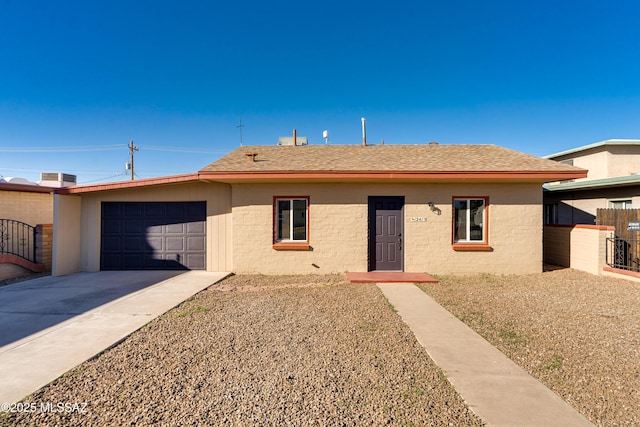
{"x": 626, "y": 221}
{"x": 623, "y": 249}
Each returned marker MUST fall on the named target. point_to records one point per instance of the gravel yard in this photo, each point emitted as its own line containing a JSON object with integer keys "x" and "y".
{"x": 260, "y": 350}
{"x": 577, "y": 333}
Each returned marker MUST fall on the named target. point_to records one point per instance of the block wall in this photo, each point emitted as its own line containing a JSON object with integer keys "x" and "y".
{"x": 338, "y": 228}
{"x": 27, "y": 207}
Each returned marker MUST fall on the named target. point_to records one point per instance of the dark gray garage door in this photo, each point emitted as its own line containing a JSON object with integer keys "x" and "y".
{"x": 153, "y": 236}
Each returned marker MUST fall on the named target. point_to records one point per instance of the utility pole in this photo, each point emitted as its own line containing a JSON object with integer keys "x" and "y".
{"x": 132, "y": 149}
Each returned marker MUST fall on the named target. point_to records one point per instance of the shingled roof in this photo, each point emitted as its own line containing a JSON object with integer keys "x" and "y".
{"x": 424, "y": 159}
{"x": 427, "y": 162}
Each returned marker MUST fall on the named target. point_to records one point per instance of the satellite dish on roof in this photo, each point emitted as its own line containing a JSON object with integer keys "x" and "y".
{"x": 325, "y": 135}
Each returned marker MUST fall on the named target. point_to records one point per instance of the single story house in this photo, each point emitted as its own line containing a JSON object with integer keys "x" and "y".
{"x": 613, "y": 181}
{"x": 441, "y": 209}
{"x": 29, "y": 203}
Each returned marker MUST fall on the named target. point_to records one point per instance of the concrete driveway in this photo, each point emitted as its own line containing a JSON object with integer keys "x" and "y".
{"x": 50, "y": 325}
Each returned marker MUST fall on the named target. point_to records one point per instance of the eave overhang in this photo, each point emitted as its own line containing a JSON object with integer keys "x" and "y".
{"x": 232, "y": 177}
{"x": 592, "y": 184}
{"x": 25, "y": 188}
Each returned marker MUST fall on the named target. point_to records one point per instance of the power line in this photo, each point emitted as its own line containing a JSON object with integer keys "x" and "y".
{"x": 105, "y": 148}
{"x": 182, "y": 150}
{"x": 103, "y": 179}
{"x": 60, "y": 149}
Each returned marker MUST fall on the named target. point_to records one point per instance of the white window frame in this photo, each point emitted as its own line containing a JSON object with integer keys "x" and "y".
{"x": 485, "y": 203}
{"x": 277, "y": 218}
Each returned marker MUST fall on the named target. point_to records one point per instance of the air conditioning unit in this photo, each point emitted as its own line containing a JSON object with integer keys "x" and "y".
{"x": 57, "y": 179}
{"x": 288, "y": 140}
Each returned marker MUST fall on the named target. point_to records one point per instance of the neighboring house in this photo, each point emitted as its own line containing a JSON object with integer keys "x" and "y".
{"x": 29, "y": 203}
{"x": 613, "y": 181}
{"x": 441, "y": 209}
{"x": 26, "y": 209}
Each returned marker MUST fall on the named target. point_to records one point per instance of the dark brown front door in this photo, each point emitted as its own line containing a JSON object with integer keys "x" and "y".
{"x": 386, "y": 233}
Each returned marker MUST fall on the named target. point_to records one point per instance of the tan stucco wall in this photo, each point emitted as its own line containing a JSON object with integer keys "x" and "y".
{"x": 338, "y": 228}
{"x": 582, "y": 247}
{"x": 30, "y": 208}
{"x": 606, "y": 161}
{"x": 66, "y": 235}
{"x": 217, "y": 196}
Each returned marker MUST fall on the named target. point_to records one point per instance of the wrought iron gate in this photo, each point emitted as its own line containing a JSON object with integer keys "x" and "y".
{"x": 623, "y": 253}
{"x": 17, "y": 238}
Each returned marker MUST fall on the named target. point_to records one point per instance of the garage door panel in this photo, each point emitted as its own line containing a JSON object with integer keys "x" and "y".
{"x": 154, "y": 230}
{"x": 135, "y": 244}
{"x": 111, "y": 226}
{"x": 175, "y": 229}
{"x": 111, "y": 243}
{"x": 174, "y": 244}
{"x": 196, "y": 243}
{"x": 133, "y": 226}
{"x": 111, "y": 210}
{"x": 197, "y": 260}
{"x": 153, "y": 235}
{"x": 155, "y": 243}
{"x": 132, "y": 210}
{"x": 132, "y": 261}
{"x": 196, "y": 227}
{"x": 154, "y": 210}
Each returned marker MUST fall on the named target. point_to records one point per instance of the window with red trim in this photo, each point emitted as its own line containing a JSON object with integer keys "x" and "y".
{"x": 470, "y": 221}
{"x": 291, "y": 219}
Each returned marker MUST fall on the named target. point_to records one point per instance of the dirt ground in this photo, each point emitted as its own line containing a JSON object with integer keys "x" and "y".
{"x": 257, "y": 350}
{"x": 579, "y": 334}
{"x": 314, "y": 350}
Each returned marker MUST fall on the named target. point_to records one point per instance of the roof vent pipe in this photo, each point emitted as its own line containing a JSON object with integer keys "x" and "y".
{"x": 295, "y": 137}
{"x": 364, "y": 132}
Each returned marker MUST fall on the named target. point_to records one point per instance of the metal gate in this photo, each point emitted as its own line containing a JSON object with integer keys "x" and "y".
{"x": 17, "y": 238}
{"x": 623, "y": 247}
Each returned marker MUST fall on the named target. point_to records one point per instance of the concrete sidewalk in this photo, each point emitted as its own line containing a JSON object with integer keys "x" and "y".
{"x": 113, "y": 304}
{"x": 495, "y": 388}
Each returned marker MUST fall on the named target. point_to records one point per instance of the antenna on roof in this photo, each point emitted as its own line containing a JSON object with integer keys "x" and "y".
{"x": 325, "y": 135}
{"x": 364, "y": 132}
{"x": 240, "y": 126}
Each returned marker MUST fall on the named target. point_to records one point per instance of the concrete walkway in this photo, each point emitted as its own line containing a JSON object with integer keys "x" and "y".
{"x": 52, "y": 324}
{"x": 495, "y": 388}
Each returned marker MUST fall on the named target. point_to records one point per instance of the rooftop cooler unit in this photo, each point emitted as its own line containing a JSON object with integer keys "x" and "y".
{"x": 57, "y": 179}
{"x": 288, "y": 140}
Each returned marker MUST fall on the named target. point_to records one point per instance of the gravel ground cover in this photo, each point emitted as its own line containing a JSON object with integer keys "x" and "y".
{"x": 258, "y": 350}
{"x": 577, "y": 333}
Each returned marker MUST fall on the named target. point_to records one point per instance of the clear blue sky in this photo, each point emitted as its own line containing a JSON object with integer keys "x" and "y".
{"x": 79, "y": 79}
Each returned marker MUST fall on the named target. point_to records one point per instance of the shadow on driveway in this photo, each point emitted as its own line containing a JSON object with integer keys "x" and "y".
{"x": 34, "y": 305}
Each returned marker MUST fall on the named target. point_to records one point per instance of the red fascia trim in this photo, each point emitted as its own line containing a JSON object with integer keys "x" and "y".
{"x": 194, "y": 177}
{"x": 543, "y": 176}
{"x": 26, "y": 188}
{"x": 584, "y": 226}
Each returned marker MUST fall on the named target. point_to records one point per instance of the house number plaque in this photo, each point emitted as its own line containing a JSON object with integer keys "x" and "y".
{"x": 418, "y": 219}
